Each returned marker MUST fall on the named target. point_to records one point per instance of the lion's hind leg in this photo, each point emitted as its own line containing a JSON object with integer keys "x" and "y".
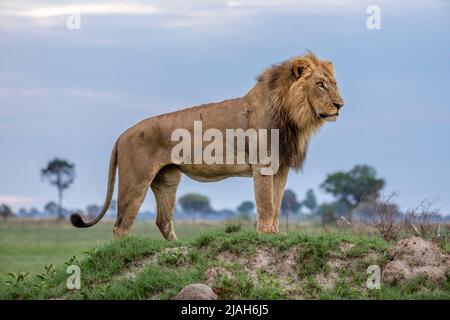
{"x": 164, "y": 187}
{"x": 133, "y": 187}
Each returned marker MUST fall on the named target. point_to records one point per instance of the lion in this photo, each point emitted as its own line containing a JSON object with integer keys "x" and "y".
{"x": 296, "y": 96}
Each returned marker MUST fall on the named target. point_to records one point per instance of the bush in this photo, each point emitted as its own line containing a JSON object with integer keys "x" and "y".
{"x": 384, "y": 216}
{"x": 326, "y": 211}
{"x": 426, "y": 222}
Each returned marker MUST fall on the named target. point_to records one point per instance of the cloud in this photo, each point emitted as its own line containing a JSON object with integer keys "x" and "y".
{"x": 107, "y": 8}
{"x": 69, "y": 93}
{"x": 184, "y": 13}
{"x": 15, "y": 200}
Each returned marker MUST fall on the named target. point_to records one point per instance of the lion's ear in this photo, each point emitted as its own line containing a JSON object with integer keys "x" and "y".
{"x": 300, "y": 67}
{"x": 328, "y": 66}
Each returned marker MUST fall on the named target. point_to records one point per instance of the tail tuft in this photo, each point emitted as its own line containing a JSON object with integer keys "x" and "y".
{"x": 77, "y": 221}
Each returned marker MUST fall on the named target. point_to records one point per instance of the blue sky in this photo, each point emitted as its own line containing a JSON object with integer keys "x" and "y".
{"x": 70, "y": 93}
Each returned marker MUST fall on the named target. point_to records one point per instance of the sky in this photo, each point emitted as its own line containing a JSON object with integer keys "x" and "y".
{"x": 70, "y": 92}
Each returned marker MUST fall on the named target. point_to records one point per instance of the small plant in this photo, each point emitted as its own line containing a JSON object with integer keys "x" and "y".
{"x": 266, "y": 279}
{"x": 92, "y": 252}
{"x": 17, "y": 278}
{"x": 173, "y": 257}
{"x": 223, "y": 287}
{"x": 441, "y": 238}
{"x": 50, "y": 269}
{"x": 233, "y": 227}
{"x": 73, "y": 260}
{"x": 267, "y": 287}
{"x": 311, "y": 259}
{"x": 105, "y": 290}
{"x": 17, "y": 284}
{"x": 45, "y": 277}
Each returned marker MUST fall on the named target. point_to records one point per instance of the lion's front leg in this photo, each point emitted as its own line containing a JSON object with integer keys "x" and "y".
{"x": 263, "y": 186}
{"x": 279, "y": 182}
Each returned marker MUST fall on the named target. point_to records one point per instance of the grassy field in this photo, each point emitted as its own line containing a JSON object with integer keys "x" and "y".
{"x": 28, "y": 246}
{"x": 233, "y": 259}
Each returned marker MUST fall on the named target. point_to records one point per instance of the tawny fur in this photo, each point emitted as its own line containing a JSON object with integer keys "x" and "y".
{"x": 296, "y": 96}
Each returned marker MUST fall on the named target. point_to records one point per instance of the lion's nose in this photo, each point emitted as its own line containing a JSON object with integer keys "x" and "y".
{"x": 338, "y": 105}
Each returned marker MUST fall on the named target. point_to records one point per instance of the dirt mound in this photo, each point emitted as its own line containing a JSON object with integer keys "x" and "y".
{"x": 414, "y": 257}
{"x": 294, "y": 269}
{"x": 283, "y": 265}
{"x": 342, "y": 265}
{"x": 272, "y": 261}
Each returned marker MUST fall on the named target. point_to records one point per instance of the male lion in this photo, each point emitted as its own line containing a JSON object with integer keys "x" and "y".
{"x": 296, "y": 96}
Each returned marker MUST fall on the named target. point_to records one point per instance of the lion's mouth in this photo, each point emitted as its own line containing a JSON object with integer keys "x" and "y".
{"x": 324, "y": 116}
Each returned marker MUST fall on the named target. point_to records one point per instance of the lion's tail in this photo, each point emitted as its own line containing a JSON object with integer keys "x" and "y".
{"x": 76, "y": 219}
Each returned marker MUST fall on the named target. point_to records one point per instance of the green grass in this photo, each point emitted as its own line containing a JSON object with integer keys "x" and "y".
{"x": 170, "y": 266}
{"x": 28, "y": 246}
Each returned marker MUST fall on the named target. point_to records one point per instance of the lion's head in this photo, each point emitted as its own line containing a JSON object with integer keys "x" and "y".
{"x": 303, "y": 87}
{"x": 315, "y": 83}
{"x": 301, "y": 94}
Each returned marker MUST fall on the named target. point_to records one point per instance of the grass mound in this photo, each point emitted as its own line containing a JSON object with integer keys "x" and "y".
{"x": 237, "y": 263}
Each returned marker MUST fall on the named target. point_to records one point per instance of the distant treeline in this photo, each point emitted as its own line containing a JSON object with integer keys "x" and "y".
{"x": 356, "y": 195}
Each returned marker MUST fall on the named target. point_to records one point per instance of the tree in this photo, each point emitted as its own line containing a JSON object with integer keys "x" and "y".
{"x": 350, "y": 188}
{"x": 34, "y": 212}
{"x": 194, "y": 202}
{"x": 245, "y": 209}
{"x": 310, "y": 200}
{"x": 289, "y": 204}
{"x": 51, "y": 208}
{"x": 6, "y": 212}
{"x": 60, "y": 174}
{"x": 22, "y": 213}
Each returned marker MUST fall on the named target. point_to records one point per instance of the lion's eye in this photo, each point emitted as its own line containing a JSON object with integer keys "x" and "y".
{"x": 320, "y": 84}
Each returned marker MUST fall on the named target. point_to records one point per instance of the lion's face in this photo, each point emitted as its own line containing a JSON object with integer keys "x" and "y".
{"x": 323, "y": 94}
{"x": 299, "y": 94}
{"x": 316, "y": 83}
